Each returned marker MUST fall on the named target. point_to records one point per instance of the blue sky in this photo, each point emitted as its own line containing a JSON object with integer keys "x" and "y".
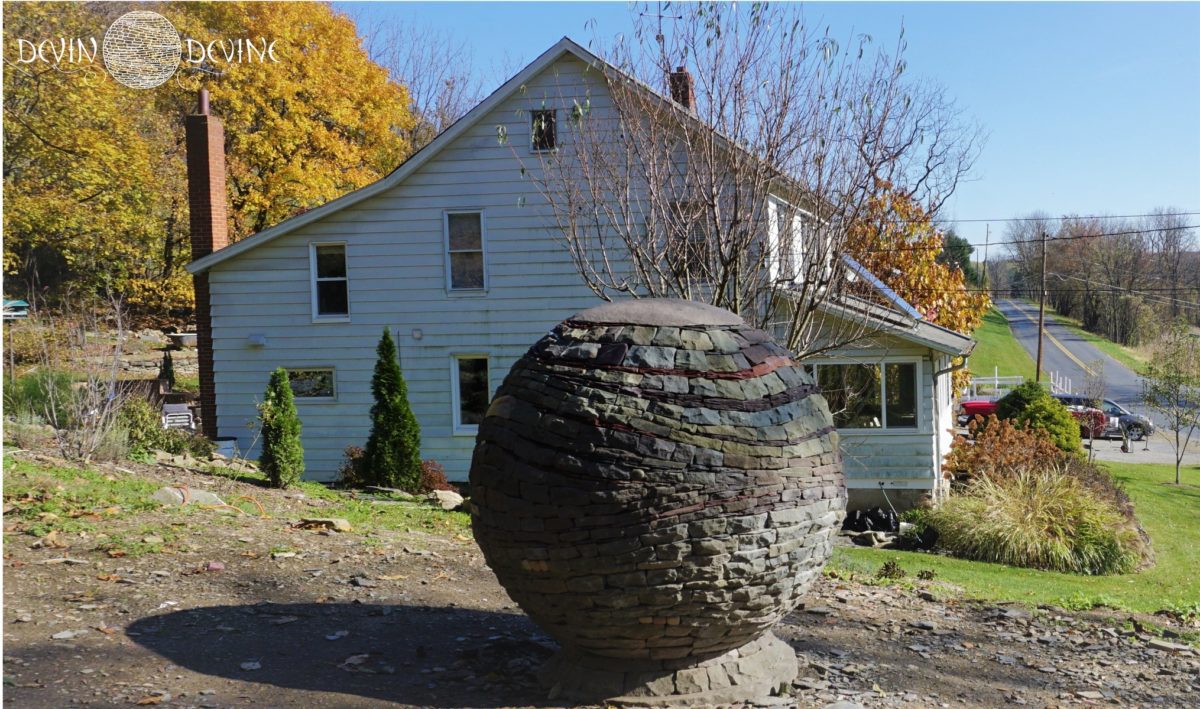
{"x": 1091, "y": 108}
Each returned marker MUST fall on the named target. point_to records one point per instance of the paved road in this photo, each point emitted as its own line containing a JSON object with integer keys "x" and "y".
{"x": 1066, "y": 354}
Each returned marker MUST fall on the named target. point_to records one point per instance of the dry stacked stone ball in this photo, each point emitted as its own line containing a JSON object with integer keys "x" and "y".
{"x": 656, "y": 480}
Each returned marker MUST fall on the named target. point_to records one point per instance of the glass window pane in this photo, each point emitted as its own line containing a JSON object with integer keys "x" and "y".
{"x": 331, "y": 261}
{"x": 465, "y": 232}
{"x": 466, "y": 270}
{"x": 472, "y": 389}
{"x": 311, "y": 383}
{"x": 902, "y": 395}
{"x": 332, "y": 298}
{"x": 544, "y": 130}
{"x": 853, "y": 393}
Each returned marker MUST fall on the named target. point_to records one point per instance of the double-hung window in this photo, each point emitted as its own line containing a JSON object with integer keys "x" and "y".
{"x": 465, "y": 267}
{"x": 871, "y": 396}
{"x": 469, "y": 386}
{"x": 330, "y": 285}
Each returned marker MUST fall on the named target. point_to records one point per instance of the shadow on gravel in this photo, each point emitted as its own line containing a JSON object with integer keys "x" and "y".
{"x": 442, "y": 657}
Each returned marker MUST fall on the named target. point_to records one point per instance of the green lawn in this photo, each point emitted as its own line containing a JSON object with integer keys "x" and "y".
{"x": 1170, "y": 514}
{"x": 998, "y": 348}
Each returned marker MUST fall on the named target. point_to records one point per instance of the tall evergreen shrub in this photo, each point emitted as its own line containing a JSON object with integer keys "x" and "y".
{"x": 393, "y": 455}
{"x": 167, "y": 369}
{"x": 282, "y": 458}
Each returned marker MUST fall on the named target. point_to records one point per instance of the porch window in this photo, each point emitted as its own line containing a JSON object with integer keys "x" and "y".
{"x": 865, "y": 396}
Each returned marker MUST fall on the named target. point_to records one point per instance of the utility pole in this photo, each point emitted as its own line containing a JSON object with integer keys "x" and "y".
{"x": 1041, "y": 313}
{"x": 987, "y": 239}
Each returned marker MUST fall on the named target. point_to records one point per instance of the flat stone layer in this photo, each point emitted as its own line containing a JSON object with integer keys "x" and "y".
{"x": 656, "y": 495}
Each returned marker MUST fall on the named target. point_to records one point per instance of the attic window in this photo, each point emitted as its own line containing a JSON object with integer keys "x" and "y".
{"x": 544, "y": 129}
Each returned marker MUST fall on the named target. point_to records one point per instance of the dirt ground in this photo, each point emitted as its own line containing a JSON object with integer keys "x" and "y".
{"x": 303, "y": 618}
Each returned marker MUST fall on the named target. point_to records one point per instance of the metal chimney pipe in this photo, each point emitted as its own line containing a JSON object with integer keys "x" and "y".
{"x": 203, "y": 102}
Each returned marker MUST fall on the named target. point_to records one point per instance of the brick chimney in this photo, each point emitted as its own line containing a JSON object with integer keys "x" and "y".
{"x": 210, "y": 231}
{"x": 683, "y": 91}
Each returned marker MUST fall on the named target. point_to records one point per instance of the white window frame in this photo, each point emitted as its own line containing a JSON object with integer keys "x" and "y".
{"x": 312, "y": 281}
{"x": 532, "y": 149}
{"x": 459, "y": 428}
{"x": 315, "y": 368}
{"x": 918, "y": 382}
{"x": 801, "y": 219}
{"x": 450, "y": 289}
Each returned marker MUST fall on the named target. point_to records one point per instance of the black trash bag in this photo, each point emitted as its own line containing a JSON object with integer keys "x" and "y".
{"x": 875, "y": 519}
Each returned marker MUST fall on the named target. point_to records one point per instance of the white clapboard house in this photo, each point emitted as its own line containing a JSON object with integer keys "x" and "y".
{"x": 452, "y": 254}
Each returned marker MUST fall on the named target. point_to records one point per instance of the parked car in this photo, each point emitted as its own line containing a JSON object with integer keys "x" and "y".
{"x": 1118, "y": 417}
{"x": 971, "y": 408}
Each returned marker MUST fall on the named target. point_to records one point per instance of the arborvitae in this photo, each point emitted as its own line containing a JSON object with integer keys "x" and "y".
{"x": 393, "y": 457}
{"x": 167, "y": 370}
{"x": 282, "y": 458}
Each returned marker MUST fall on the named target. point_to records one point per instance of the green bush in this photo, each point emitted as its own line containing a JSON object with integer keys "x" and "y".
{"x": 1030, "y": 406}
{"x": 282, "y": 457}
{"x": 393, "y": 453}
{"x": 143, "y": 425}
{"x": 179, "y": 441}
{"x": 35, "y": 392}
{"x": 1015, "y": 401}
{"x": 1043, "y": 520}
{"x": 1052, "y": 417}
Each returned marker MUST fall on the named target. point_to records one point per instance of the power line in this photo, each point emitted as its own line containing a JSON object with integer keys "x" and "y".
{"x": 1071, "y": 237}
{"x": 1077, "y": 217}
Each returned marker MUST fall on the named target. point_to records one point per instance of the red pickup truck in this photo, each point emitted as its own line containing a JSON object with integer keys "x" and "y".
{"x": 970, "y": 408}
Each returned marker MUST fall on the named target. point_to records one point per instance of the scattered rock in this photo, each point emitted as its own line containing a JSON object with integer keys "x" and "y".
{"x": 1167, "y": 646}
{"x": 214, "y": 566}
{"x": 68, "y": 634}
{"x": 175, "y": 496}
{"x": 446, "y": 499}
{"x": 337, "y": 524}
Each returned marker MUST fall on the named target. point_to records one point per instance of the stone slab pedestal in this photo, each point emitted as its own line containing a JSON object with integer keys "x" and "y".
{"x": 753, "y": 671}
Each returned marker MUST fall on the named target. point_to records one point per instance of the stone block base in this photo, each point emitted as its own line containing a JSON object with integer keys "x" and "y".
{"x": 754, "y": 671}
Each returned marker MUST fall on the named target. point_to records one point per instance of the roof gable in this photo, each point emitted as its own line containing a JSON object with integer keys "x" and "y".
{"x": 409, "y": 166}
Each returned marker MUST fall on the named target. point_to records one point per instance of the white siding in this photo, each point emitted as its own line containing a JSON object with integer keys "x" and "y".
{"x": 395, "y": 257}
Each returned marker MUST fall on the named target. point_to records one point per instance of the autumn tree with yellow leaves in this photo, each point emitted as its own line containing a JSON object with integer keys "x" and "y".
{"x": 896, "y": 240}
{"x": 95, "y": 174}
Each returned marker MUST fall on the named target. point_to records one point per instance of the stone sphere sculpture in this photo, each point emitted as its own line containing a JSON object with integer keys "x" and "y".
{"x": 656, "y": 483}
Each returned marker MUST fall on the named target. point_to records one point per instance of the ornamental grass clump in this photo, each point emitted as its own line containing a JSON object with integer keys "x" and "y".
{"x": 1043, "y": 519}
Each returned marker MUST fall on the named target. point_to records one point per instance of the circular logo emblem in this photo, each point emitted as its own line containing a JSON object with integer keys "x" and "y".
{"x": 141, "y": 49}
